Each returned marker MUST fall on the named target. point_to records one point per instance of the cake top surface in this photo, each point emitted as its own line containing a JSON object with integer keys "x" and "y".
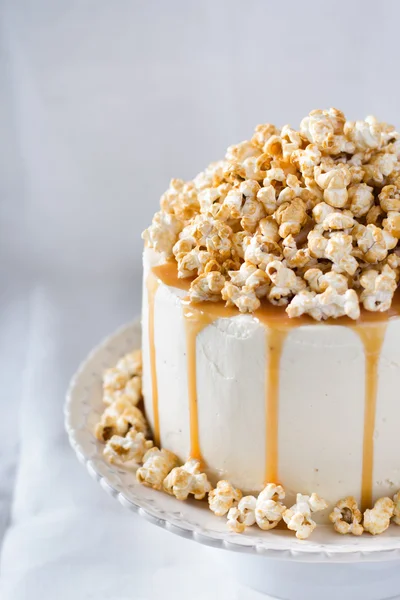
{"x": 305, "y": 219}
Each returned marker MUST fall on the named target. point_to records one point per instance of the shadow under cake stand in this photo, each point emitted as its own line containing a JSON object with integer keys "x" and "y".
{"x": 325, "y": 567}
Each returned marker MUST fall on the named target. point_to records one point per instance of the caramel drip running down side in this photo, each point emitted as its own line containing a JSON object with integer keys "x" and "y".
{"x": 275, "y": 342}
{"x": 152, "y": 286}
{"x": 195, "y": 321}
{"x": 372, "y": 337}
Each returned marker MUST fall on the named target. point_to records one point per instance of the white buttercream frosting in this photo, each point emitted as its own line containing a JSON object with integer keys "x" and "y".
{"x": 321, "y": 400}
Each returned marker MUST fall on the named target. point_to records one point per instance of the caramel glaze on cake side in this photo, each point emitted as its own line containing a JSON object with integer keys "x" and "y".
{"x": 370, "y": 327}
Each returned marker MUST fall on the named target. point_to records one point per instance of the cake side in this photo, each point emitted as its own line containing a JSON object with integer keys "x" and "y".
{"x": 321, "y": 411}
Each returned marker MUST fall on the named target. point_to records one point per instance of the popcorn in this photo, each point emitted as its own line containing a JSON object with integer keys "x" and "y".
{"x": 163, "y": 233}
{"x": 346, "y": 517}
{"x": 375, "y": 215}
{"x": 379, "y": 288}
{"x": 324, "y": 128}
{"x": 338, "y": 220}
{"x": 185, "y": 480}
{"x": 267, "y": 196}
{"x": 180, "y": 199}
{"x": 223, "y": 498}
{"x": 365, "y": 135}
{"x": 262, "y": 134}
{"x": 242, "y": 516}
{"x": 294, "y": 257}
{"x": 156, "y": 466}
{"x": 334, "y": 183}
{"x": 285, "y": 283}
{"x": 329, "y": 304}
{"x": 130, "y": 364}
{"x": 392, "y": 224}
{"x": 244, "y": 298}
{"x": 377, "y": 519}
{"x": 114, "y": 380}
{"x": 207, "y": 286}
{"x": 261, "y": 252}
{"x": 269, "y": 230}
{"x": 291, "y": 217}
{"x": 291, "y": 141}
{"x": 320, "y": 281}
{"x": 132, "y": 392}
{"x": 307, "y": 159}
{"x": 361, "y": 199}
{"x": 193, "y": 262}
{"x": 374, "y": 242}
{"x": 325, "y": 196}
{"x": 269, "y": 508}
{"x": 298, "y": 517}
{"x": 131, "y": 448}
{"x": 338, "y": 249}
{"x": 118, "y": 419}
{"x": 124, "y": 380}
{"x": 396, "y": 508}
{"x": 379, "y": 167}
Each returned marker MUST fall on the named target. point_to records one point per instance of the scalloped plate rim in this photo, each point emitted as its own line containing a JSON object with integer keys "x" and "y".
{"x": 308, "y": 551}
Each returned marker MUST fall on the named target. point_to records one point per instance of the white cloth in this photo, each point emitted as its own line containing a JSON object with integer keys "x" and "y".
{"x": 102, "y": 102}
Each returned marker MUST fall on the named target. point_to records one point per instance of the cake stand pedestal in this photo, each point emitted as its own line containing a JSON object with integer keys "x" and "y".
{"x": 325, "y": 567}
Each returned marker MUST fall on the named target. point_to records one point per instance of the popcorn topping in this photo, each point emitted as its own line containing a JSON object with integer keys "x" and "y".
{"x": 326, "y": 196}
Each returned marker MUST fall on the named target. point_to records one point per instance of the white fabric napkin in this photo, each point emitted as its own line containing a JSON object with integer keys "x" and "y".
{"x": 67, "y": 539}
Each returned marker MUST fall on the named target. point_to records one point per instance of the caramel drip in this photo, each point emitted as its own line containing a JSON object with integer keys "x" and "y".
{"x": 372, "y": 337}
{"x": 152, "y": 286}
{"x": 195, "y": 321}
{"x": 275, "y": 340}
{"x": 370, "y": 327}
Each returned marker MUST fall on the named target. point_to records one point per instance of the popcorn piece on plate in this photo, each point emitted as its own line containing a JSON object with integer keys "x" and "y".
{"x": 130, "y": 364}
{"x": 223, "y": 497}
{"x": 132, "y": 392}
{"x": 188, "y": 479}
{"x": 130, "y": 448}
{"x": 396, "y": 508}
{"x": 156, "y": 466}
{"x": 243, "y": 515}
{"x": 118, "y": 419}
{"x": 269, "y": 508}
{"x": 377, "y": 519}
{"x": 298, "y": 517}
{"x": 346, "y": 517}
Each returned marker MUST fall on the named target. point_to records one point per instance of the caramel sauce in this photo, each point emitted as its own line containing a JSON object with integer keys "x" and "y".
{"x": 371, "y": 328}
{"x": 152, "y": 286}
{"x": 372, "y": 337}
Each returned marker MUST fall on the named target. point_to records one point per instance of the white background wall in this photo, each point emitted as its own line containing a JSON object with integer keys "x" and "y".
{"x": 106, "y": 100}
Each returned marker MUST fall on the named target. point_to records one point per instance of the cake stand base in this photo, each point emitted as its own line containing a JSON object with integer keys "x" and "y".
{"x": 290, "y": 580}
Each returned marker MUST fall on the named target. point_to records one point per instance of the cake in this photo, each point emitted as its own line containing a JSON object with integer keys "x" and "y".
{"x": 270, "y": 322}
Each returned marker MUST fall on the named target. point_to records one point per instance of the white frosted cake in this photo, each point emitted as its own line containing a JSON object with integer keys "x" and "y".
{"x": 270, "y": 316}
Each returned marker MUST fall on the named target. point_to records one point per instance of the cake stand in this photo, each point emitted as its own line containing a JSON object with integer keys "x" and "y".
{"x": 327, "y": 566}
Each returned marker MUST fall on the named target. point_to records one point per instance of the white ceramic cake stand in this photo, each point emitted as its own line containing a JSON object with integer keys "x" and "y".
{"x": 325, "y": 567}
